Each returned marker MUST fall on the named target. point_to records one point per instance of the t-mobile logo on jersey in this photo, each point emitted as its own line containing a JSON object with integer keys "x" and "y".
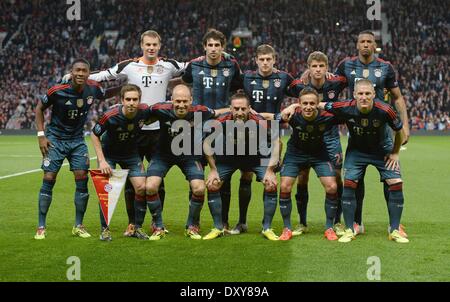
{"x": 257, "y": 95}
{"x": 207, "y": 82}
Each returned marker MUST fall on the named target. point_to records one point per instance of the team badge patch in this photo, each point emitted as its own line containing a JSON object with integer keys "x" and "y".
{"x": 159, "y": 70}
{"x": 331, "y": 94}
{"x": 364, "y": 122}
{"x": 226, "y": 72}
{"x": 46, "y": 162}
{"x": 376, "y": 123}
{"x": 265, "y": 84}
{"x": 130, "y": 127}
{"x": 141, "y": 123}
{"x": 80, "y": 103}
{"x": 310, "y": 128}
{"x": 90, "y": 99}
{"x": 321, "y": 127}
{"x": 214, "y": 73}
{"x": 108, "y": 188}
{"x": 150, "y": 69}
{"x": 277, "y": 83}
{"x": 377, "y": 73}
{"x": 366, "y": 73}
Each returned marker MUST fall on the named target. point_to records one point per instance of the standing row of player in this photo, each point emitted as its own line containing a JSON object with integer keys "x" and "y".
{"x": 213, "y": 77}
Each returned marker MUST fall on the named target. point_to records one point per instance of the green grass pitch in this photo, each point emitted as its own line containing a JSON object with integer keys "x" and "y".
{"x": 248, "y": 257}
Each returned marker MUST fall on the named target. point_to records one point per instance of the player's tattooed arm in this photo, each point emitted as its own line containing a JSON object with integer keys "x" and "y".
{"x": 44, "y": 143}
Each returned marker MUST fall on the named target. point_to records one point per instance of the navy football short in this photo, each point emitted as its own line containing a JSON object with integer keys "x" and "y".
{"x": 294, "y": 162}
{"x": 75, "y": 151}
{"x": 133, "y": 163}
{"x": 160, "y": 164}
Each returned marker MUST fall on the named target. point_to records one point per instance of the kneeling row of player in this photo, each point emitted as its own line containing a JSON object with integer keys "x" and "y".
{"x": 314, "y": 143}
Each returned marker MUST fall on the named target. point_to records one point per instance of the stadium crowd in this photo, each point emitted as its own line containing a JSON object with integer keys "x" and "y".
{"x": 46, "y": 42}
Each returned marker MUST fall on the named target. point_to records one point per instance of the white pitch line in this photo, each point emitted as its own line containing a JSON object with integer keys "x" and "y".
{"x": 32, "y": 171}
{"x": 19, "y": 156}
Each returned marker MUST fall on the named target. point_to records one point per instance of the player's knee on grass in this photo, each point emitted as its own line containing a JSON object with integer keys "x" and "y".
{"x": 198, "y": 188}
{"x": 393, "y": 181}
{"x": 152, "y": 185}
{"x": 139, "y": 187}
{"x": 50, "y": 176}
{"x": 286, "y": 185}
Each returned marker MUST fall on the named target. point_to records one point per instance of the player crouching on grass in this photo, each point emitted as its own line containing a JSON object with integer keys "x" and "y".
{"x": 370, "y": 144}
{"x": 223, "y": 166}
{"x": 307, "y": 147}
{"x": 114, "y": 139}
{"x": 180, "y": 111}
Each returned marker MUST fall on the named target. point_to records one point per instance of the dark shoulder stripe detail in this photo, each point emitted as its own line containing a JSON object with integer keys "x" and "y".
{"x": 93, "y": 83}
{"x": 325, "y": 113}
{"x": 108, "y": 115}
{"x": 143, "y": 106}
{"x": 347, "y": 59}
{"x": 225, "y": 117}
{"x": 296, "y": 81}
{"x": 336, "y": 78}
{"x": 57, "y": 88}
{"x": 201, "y": 58}
{"x": 163, "y": 106}
{"x": 173, "y": 62}
{"x": 383, "y": 61}
{"x": 198, "y": 108}
{"x": 387, "y": 109}
{"x": 344, "y": 104}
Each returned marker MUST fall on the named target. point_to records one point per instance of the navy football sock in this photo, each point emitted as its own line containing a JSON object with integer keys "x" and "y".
{"x": 286, "y": 208}
{"x": 331, "y": 203}
{"x": 349, "y": 202}
{"x": 44, "y": 200}
{"x": 154, "y": 205}
{"x": 359, "y": 194}
{"x": 395, "y": 205}
{"x": 302, "y": 198}
{"x": 245, "y": 195}
{"x": 270, "y": 206}
{"x": 81, "y": 199}
{"x": 215, "y": 208}
{"x": 337, "y": 217}
{"x": 225, "y": 195}
{"x": 140, "y": 209}
{"x": 195, "y": 207}
{"x": 129, "y": 201}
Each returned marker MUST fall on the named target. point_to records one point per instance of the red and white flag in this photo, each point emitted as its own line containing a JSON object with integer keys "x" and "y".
{"x": 108, "y": 190}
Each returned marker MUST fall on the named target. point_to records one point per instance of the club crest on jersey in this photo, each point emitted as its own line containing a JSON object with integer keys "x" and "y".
{"x": 141, "y": 123}
{"x": 377, "y": 73}
{"x": 150, "y": 69}
{"x": 310, "y": 128}
{"x": 130, "y": 127}
{"x": 364, "y": 122}
{"x": 90, "y": 99}
{"x": 159, "y": 70}
{"x": 376, "y": 123}
{"x": 277, "y": 83}
{"x": 214, "y": 73}
{"x": 265, "y": 84}
{"x": 331, "y": 94}
{"x": 321, "y": 127}
{"x": 80, "y": 103}
{"x": 226, "y": 72}
{"x": 366, "y": 73}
